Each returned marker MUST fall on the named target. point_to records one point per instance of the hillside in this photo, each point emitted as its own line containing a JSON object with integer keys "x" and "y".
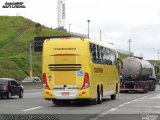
{"x": 15, "y": 34}
{"x": 157, "y": 63}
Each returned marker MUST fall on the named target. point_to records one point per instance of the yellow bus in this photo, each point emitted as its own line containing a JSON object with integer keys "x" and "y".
{"x": 79, "y": 69}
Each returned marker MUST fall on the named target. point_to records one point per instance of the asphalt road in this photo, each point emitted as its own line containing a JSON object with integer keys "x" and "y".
{"x": 127, "y": 106}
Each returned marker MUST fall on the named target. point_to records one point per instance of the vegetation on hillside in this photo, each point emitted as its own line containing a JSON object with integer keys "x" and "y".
{"x": 121, "y": 55}
{"x": 157, "y": 63}
{"x": 15, "y": 35}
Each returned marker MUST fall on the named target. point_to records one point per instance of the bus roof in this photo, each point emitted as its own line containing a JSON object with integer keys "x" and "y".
{"x": 92, "y": 41}
{"x": 102, "y": 43}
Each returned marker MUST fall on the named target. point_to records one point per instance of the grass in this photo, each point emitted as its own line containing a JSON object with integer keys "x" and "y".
{"x": 15, "y": 34}
{"x": 121, "y": 55}
{"x": 157, "y": 63}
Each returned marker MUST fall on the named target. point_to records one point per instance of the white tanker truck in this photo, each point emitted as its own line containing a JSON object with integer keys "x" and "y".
{"x": 137, "y": 75}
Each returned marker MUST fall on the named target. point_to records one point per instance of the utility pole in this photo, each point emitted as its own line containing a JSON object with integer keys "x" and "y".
{"x": 100, "y": 34}
{"x": 158, "y": 55}
{"x": 88, "y": 27}
{"x": 30, "y": 59}
{"x": 129, "y": 41}
{"x": 69, "y": 27}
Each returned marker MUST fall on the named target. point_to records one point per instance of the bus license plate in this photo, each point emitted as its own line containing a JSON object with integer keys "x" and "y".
{"x": 65, "y": 93}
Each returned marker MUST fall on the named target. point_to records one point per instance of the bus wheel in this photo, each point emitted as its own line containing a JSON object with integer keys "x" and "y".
{"x": 99, "y": 96}
{"x": 113, "y": 97}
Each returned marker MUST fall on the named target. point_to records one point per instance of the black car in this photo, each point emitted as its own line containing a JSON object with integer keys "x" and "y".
{"x": 10, "y": 87}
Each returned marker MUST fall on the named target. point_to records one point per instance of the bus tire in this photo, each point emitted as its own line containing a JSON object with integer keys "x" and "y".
{"x": 98, "y": 99}
{"x": 99, "y": 96}
{"x": 113, "y": 97}
{"x": 154, "y": 88}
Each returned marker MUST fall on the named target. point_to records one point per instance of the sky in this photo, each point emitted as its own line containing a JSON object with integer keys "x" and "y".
{"x": 119, "y": 21}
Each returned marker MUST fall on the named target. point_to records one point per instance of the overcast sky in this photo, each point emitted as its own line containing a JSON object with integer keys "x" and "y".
{"x": 119, "y": 20}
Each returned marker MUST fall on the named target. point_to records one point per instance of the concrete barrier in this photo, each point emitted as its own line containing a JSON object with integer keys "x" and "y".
{"x": 32, "y": 85}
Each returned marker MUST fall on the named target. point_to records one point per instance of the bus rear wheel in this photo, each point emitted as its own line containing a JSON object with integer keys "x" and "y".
{"x": 98, "y": 99}
{"x": 99, "y": 96}
{"x": 113, "y": 97}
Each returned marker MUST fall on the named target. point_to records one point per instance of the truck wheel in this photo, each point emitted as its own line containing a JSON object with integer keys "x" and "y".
{"x": 154, "y": 88}
{"x": 145, "y": 90}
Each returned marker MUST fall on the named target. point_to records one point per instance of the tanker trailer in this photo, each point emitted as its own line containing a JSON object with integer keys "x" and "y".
{"x": 137, "y": 75}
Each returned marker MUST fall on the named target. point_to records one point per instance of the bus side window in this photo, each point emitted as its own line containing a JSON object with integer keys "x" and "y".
{"x": 112, "y": 57}
{"x": 94, "y": 53}
{"x": 105, "y": 55}
{"x": 108, "y": 56}
{"x": 115, "y": 58}
{"x": 91, "y": 51}
{"x": 98, "y": 54}
{"x": 102, "y": 61}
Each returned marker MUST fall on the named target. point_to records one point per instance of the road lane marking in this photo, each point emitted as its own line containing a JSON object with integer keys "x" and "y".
{"x": 112, "y": 109}
{"x": 126, "y": 103}
{"x": 156, "y": 97}
{"x": 32, "y": 108}
{"x": 121, "y": 105}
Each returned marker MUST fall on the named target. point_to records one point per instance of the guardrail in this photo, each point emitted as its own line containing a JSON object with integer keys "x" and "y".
{"x": 33, "y": 85}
